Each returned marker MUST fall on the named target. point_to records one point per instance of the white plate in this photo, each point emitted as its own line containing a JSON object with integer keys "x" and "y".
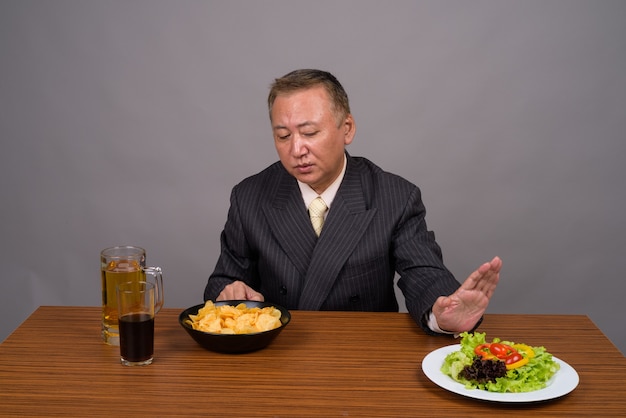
{"x": 563, "y": 382}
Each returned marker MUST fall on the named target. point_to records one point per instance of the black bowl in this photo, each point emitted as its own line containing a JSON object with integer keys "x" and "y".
{"x": 234, "y": 343}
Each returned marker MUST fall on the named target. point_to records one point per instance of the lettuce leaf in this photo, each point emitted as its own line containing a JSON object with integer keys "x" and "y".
{"x": 532, "y": 376}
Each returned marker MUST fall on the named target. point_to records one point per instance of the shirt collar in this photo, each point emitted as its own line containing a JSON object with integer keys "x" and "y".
{"x": 308, "y": 194}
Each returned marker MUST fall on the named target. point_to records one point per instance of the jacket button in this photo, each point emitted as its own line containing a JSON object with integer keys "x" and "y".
{"x": 283, "y": 290}
{"x": 354, "y": 298}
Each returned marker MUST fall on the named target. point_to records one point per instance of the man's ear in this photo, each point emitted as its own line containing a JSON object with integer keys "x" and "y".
{"x": 349, "y": 126}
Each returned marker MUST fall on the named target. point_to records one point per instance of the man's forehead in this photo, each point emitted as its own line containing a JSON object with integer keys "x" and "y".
{"x": 305, "y": 110}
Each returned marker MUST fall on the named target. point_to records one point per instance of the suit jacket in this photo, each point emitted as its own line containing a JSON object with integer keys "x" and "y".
{"x": 374, "y": 228}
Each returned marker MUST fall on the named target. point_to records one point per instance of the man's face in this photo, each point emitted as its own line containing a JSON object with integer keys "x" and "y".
{"x": 309, "y": 139}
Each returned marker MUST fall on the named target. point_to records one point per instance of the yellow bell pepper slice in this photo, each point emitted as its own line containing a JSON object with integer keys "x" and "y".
{"x": 525, "y": 350}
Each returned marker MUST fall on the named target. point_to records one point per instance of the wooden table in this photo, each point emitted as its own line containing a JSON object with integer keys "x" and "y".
{"x": 326, "y": 364}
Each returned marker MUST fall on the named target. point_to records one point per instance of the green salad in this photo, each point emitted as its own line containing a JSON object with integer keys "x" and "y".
{"x": 499, "y": 366}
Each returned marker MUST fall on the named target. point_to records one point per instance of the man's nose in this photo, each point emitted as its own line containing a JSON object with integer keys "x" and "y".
{"x": 298, "y": 146}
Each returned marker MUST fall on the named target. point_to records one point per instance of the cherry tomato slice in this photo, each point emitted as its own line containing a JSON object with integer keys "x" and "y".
{"x": 520, "y": 363}
{"x": 513, "y": 358}
{"x": 498, "y": 350}
{"x": 501, "y": 351}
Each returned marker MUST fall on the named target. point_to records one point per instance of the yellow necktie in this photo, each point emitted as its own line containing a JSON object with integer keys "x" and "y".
{"x": 317, "y": 208}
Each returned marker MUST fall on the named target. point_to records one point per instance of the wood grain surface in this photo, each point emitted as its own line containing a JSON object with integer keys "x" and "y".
{"x": 324, "y": 364}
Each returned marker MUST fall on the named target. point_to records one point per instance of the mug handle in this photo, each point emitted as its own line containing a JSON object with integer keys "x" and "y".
{"x": 158, "y": 285}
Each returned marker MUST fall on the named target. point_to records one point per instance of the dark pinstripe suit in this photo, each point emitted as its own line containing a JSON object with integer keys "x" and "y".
{"x": 375, "y": 227}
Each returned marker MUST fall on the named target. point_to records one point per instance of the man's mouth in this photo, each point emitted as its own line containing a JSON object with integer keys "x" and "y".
{"x": 304, "y": 168}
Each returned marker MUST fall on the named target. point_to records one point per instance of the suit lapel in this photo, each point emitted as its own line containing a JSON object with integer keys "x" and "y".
{"x": 290, "y": 223}
{"x": 345, "y": 224}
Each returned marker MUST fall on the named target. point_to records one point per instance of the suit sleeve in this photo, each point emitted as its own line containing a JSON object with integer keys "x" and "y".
{"x": 419, "y": 262}
{"x": 236, "y": 261}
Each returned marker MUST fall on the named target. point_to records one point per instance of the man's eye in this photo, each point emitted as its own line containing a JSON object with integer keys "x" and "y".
{"x": 310, "y": 134}
{"x": 283, "y": 136}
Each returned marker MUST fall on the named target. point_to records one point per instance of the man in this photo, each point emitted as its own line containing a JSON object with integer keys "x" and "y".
{"x": 374, "y": 225}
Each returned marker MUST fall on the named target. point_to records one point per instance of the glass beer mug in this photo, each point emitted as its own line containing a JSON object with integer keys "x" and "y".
{"x": 119, "y": 265}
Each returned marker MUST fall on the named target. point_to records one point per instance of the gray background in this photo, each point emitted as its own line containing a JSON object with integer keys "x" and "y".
{"x": 128, "y": 122}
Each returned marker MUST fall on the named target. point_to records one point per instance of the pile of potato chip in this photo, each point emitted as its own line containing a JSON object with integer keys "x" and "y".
{"x": 227, "y": 319}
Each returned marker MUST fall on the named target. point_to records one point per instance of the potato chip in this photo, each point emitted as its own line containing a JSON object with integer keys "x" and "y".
{"x": 227, "y": 319}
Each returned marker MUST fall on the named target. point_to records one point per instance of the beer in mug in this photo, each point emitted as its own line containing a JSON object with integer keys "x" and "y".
{"x": 120, "y": 265}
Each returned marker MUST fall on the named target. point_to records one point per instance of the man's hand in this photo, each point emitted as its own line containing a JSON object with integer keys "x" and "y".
{"x": 461, "y": 310}
{"x": 238, "y": 290}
